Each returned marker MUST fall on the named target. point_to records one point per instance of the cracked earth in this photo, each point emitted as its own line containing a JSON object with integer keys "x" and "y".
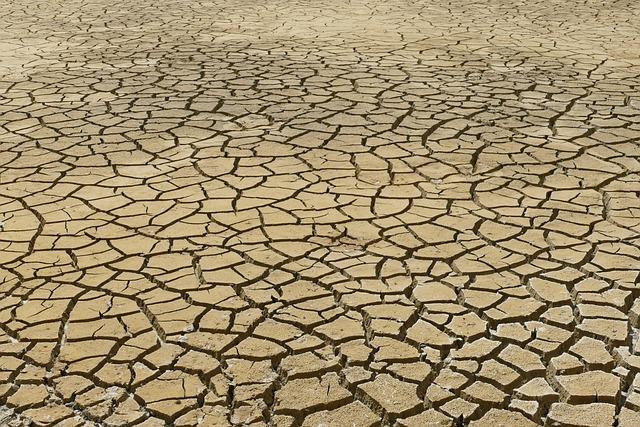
{"x": 330, "y": 213}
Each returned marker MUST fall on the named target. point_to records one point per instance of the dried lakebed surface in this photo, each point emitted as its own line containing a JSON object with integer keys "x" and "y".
{"x": 327, "y": 213}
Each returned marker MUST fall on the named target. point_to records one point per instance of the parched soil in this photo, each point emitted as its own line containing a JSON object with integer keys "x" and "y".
{"x": 337, "y": 213}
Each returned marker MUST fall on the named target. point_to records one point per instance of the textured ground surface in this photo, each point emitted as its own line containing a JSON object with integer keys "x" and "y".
{"x": 319, "y": 213}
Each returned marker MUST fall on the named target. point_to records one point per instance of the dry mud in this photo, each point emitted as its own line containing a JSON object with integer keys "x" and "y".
{"x": 319, "y": 213}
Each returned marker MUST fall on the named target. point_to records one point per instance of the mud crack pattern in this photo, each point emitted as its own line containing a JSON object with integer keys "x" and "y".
{"x": 327, "y": 213}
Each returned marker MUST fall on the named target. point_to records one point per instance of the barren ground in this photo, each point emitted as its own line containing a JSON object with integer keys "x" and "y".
{"x": 319, "y": 213}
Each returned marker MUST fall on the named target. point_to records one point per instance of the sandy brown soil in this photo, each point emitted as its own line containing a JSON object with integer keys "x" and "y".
{"x": 319, "y": 213}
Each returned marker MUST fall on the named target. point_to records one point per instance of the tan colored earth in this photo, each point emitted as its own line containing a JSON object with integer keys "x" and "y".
{"x": 320, "y": 213}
